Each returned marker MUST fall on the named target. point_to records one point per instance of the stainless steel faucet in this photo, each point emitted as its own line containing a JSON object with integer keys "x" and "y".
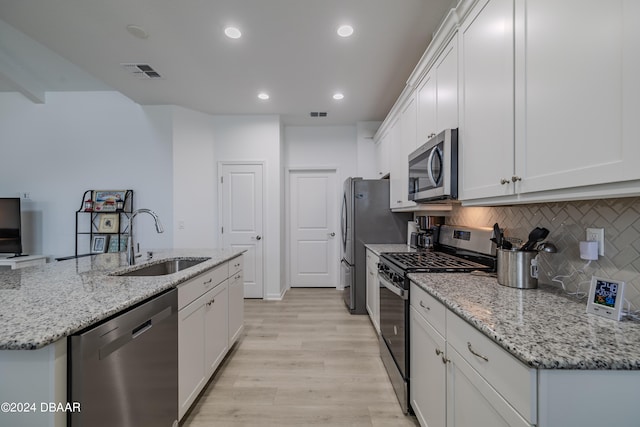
{"x": 131, "y": 252}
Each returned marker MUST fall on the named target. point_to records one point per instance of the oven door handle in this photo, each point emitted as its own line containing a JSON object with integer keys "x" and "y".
{"x": 393, "y": 288}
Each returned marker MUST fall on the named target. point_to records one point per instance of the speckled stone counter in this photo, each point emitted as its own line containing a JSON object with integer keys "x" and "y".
{"x": 41, "y": 305}
{"x": 541, "y": 327}
{"x": 389, "y": 247}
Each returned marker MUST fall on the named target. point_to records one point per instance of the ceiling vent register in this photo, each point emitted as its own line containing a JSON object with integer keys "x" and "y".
{"x": 318, "y": 114}
{"x": 142, "y": 71}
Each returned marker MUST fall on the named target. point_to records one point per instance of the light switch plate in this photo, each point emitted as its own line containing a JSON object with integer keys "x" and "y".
{"x": 597, "y": 234}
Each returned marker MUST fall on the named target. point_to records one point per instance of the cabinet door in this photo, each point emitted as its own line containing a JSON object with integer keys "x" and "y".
{"x": 236, "y": 307}
{"x": 428, "y": 372}
{"x": 487, "y": 100}
{"x": 572, "y": 119}
{"x": 405, "y": 145}
{"x": 426, "y": 109}
{"x": 471, "y": 401}
{"x": 382, "y": 156}
{"x": 191, "y": 372}
{"x": 216, "y": 326}
{"x": 397, "y": 162}
{"x": 373, "y": 290}
{"x": 447, "y": 87}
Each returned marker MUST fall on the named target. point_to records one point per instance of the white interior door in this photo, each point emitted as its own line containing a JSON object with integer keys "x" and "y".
{"x": 241, "y": 212}
{"x": 313, "y": 228}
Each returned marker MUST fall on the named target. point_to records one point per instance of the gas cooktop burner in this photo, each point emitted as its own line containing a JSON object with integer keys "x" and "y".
{"x": 432, "y": 262}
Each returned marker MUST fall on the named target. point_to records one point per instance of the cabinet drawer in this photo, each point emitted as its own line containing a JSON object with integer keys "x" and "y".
{"x": 193, "y": 288}
{"x": 235, "y": 265}
{"x": 431, "y": 309}
{"x": 512, "y": 379}
{"x": 372, "y": 260}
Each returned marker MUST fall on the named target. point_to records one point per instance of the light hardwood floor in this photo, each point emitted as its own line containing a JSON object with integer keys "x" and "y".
{"x": 302, "y": 361}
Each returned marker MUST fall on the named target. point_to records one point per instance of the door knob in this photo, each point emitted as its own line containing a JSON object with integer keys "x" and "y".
{"x": 332, "y": 234}
{"x": 258, "y": 237}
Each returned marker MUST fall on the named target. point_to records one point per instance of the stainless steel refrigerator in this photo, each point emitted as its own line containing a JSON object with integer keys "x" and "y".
{"x": 366, "y": 218}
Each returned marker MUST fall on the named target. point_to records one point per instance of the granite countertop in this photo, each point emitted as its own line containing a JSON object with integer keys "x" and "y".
{"x": 380, "y": 248}
{"x": 40, "y": 305}
{"x": 542, "y": 327}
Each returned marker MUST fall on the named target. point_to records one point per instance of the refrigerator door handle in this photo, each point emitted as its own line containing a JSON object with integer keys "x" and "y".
{"x": 343, "y": 222}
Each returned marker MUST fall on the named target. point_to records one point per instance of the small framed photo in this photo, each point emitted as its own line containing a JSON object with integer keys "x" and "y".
{"x": 108, "y": 223}
{"x": 606, "y": 297}
{"x": 108, "y": 200}
{"x": 98, "y": 244}
{"x": 118, "y": 243}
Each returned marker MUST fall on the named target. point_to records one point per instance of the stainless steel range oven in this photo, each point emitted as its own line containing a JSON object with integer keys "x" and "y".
{"x": 459, "y": 250}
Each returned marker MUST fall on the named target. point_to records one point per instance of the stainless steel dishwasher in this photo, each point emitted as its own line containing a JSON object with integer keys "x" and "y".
{"x": 124, "y": 371}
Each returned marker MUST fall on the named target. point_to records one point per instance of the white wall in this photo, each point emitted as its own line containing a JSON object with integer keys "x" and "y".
{"x": 257, "y": 138}
{"x": 78, "y": 141}
{"x": 367, "y": 149}
{"x": 194, "y": 180}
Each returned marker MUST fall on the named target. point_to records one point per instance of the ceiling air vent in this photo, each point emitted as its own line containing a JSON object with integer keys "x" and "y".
{"x": 142, "y": 71}
{"x": 318, "y": 114}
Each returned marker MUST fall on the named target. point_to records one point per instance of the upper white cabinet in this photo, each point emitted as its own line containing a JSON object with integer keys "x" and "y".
{"x": 574, "y": 79}
{"x": 486, "y": 131}
{"x": 547, "y": 101}
{"x": 382, "y": 156}
{"x": 426, "y": 105}
{"x": 404, "y": 143}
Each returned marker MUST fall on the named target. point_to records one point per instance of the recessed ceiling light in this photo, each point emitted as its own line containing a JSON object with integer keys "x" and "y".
{"x": 137, "y": 31}
{"x": 232, "y": 32}
{"x": 263, "y": 95}
{"x": 345, "y": 30}
{"x": 338, "y": 96}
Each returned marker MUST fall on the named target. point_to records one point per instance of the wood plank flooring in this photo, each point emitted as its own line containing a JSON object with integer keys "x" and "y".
{"x": 301, "y": 361}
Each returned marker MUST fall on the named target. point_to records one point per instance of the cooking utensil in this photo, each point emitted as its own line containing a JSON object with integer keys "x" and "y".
{"x": 497, "y": 236}
{"x": 547, "y": 247}
{"x": 536, "y": 235}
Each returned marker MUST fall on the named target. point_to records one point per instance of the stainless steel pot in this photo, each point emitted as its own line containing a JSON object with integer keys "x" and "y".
{"x": 518, "y": 269}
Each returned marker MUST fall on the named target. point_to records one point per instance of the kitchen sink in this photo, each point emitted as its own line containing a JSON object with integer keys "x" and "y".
{"x": 163, "y": 268}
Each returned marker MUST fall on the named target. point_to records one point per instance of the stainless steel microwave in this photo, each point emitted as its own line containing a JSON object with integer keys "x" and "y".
{"x": 433, "y": 168}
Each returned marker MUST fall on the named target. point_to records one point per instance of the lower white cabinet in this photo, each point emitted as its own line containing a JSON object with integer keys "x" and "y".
{"x": 236, "y": 307}
{"x": 459, "y": 377}
{"x": 210, "y": 320}
{"x": 373, "y": 289}
{"x": 428, "y": 372}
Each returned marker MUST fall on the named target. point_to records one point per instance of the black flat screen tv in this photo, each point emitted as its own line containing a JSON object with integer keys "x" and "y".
{"x": 10, "y": 226}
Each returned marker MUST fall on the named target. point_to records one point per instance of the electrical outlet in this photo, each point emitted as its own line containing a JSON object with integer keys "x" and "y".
{"x": 597, "y": 234}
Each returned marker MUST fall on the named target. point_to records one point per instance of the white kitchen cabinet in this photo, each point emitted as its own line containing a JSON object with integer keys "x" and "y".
{"x": 405, "y": 143}
{"x": 382, "y": 156}
{"x": 210, "y": 318}
{"x": 437, "y": 95}
{"x": 547, "y": 103}
{"x": 459, "y": 377}
{"x": 428, "y": 361}
{"x": 576, "y": 85}
{"x": 236, "y": 300}
{"x": 486, "y": 133}
{"x": 216, "y": 326}
{"x": 426, "y": 108}
{"x": 373, "y": 289}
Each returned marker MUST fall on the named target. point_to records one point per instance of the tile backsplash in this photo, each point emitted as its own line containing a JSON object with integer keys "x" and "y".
{"x": 567, "y": 223}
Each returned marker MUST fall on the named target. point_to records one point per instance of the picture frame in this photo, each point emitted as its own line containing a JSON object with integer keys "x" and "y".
{"x": 98, "y": 244}
{"x": 113, "y": 243}
{"x": 108, "y": 223}
{"x": 606, "y": 297}
{"x": 107, "y": 200}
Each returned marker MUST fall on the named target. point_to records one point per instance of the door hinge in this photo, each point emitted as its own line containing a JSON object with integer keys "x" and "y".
{"x": 221, "y": 230}
{"x": 221, "y": 180}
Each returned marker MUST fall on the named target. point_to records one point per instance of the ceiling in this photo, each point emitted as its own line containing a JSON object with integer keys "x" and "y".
{"x": 288, "y": 48}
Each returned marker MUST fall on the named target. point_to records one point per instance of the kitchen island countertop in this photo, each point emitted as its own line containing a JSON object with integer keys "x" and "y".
{"x": 541, "y": 327}
{"x": 40, "y": 305}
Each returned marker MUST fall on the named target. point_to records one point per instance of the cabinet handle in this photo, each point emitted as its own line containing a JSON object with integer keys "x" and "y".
{"x": 211, "y": 302}
{"x": 237, "y": 277}
{"x": 424, "y": 306}
{"x": 475, "y": 353}
{"x": 504, "y": 181}
{"x": 441, "y": 354}
{"x": 398, "y": 201}
{"x": 206, "y": 282}
{"x": 516, "y": 178}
